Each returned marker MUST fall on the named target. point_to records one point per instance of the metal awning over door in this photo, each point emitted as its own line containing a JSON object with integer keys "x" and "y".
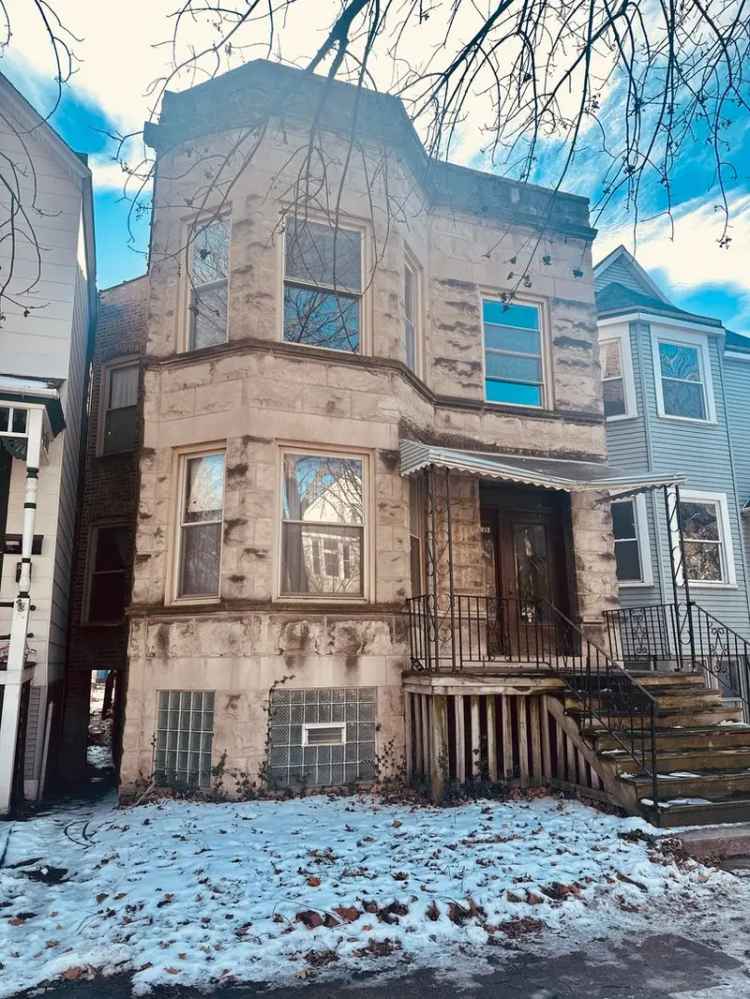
{"x": 544, "y": 473}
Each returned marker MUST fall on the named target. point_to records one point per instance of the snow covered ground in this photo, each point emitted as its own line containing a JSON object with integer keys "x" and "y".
{"x": 182, "y": 893}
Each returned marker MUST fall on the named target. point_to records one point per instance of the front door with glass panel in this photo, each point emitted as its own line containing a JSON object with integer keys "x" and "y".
{"x": 525, "y": 571}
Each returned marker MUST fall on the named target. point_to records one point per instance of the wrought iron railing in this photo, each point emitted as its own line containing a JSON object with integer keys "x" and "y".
{"x": 466, "y": 632}
{"x": 684, "y": 637}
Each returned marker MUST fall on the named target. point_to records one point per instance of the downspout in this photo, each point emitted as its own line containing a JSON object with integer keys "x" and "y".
{"x": 15, "y": 675}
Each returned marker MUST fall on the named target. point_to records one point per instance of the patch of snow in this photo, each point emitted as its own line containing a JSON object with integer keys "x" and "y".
{"x": 677, "y": 775}
{"x": 683, "y": 801}
{"x": 727, "y": 722}
{"x": 99, "y": 757}
{"x": 188, "y": 894}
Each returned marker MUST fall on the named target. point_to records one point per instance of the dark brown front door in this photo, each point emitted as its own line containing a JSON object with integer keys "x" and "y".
{"x": 525, "y": 568}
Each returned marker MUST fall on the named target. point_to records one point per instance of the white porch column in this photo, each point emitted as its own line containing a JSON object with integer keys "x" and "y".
{"x": 13, "y": 678}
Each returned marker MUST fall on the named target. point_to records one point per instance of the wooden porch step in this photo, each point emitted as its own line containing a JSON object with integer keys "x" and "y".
{"x": 692, "y": 760}
{"x": 684, "y": 718}
{"x": 687, "y": 784}
{"x": 666, "y": 680}
{"x": 705, "y": 737}
{"x": 697, "y": 699}
{"x": 694, "y": 812}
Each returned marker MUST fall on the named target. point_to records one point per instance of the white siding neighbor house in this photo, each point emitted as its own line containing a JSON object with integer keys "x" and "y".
{"x": 44, "y": 348}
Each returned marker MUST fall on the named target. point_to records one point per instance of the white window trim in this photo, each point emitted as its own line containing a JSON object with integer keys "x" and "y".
{"x": 644, "y": 543}
{"x": 173, "y": 580}
{"x": 306, "y": 726}
{"x": 547, "y": 402}
{"x": 720, "y": 499}
{"x": 104, "y": 387}
{"x": 353, "y": 225}
{"x": 661, "y": 334}
{"x": 225, "y": 215}
{"x": 622, "y": 336}
{"x": 367, "y": 568}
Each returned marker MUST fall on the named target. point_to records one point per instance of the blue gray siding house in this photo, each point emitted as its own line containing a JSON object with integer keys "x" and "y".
{"x": 676, "y": 400}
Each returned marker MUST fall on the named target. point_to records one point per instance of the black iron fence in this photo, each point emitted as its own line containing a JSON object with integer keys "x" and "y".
{"x": 465, "y": 632}
{"x": 682, "y": 637}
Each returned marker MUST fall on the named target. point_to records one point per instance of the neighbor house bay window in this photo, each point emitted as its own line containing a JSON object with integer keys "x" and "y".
{"x": 683, "y": 389}
{"x": 627, "y": 548}
{"x": 613, "y": 378}
{"x": 201, "y": 516}
{"x": 322, "y": 285}
{"x": 322, "y": 525}
{"x": 209, "y": 293}
{"x": 513, "y": 353}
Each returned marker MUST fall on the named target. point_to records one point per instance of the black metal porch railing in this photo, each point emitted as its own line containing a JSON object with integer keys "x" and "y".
{"x": 682, "y": 636}
{"x": 465, "y": 632}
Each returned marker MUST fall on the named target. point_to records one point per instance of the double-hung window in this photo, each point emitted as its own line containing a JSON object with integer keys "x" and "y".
{"x": 513, "y": 353}
{"x": 613, "y": 379}
{"x": 410, "y": 315}
{"x": 630, "y": 528}
{"x": 683, "y": 379}
{"x": 323, "y": 525}
{"x": 120, "y": 424}
{"x": 322, "y": 285}
{"x": 109, "y": 558}
{"x": 416, "y": 535}
{"x": 209, "y": 277}
{"x": 706, "y": 538}
{"x": 200, "y": 525}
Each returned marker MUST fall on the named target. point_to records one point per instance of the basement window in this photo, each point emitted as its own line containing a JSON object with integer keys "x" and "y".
{"x": 322, "y": 285}
{"x": 322, "y": 736}
{"x": 184, "y": 738}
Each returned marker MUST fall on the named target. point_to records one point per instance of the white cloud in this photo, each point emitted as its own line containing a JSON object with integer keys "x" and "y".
{"x": 693, "y": 259}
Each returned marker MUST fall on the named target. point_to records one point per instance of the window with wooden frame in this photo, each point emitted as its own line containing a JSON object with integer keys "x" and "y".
{"x": 201, "y": 515}
{"x": 119, "y": 419}
{"x": 208, "y": 278}
{"x": 108, "y": 574}
{"x": 322, "y": 285}
{"x": 323, "y": 522}
{"x": 709, "y": 557}
{"x": 513, "y": 363}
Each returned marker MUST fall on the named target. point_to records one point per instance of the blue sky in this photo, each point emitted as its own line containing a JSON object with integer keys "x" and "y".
{"x": 106, "y": 96}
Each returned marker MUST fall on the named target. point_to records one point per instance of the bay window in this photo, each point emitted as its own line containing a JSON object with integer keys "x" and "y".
{"x": 323, "y": 525}
{"x": 200, "y": 525}
{"x": 322, "y": 285}
{"x": 683, "y": 378}
{"x": 706, "y": 539}
{"x": 209, "y": 290}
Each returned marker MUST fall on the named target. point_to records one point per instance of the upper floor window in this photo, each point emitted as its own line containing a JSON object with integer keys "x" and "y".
{"x": 322, "y": 285}
{"x": 323, "y": 525}
{"x": 416, "y": 535}
{"x": 630, "y": 529}
{"x": 119, "y": 430}
{"x": 513, "y": 371}
{"x": 683, "y": 378}
{"x": 109, "y": 558}
{"x": 707, "y": 539}
{"x": 209, "y": 291}
{"x": 617, "y": 380}
{"x": 200, "y": 525}
{"x": 411, "y": 285}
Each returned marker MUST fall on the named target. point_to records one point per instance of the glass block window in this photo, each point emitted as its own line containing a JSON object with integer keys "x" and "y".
{"x": 209, "y": 277}
{"x": 184, "y": 738}
{"x": 323, "y": 736}
{"x": 513, "y": 353}
{"x": 322, "y": 285}
{"x": 682, "y": 380}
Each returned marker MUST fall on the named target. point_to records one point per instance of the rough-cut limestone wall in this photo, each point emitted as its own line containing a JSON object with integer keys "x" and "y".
{"x": 254, "y": 399}
{"x": 596, "y": 576}
{"x": 241, "y": 656}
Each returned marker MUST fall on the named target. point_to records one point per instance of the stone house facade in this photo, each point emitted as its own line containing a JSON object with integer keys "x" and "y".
{"x": 307, "y": 315}
{"x": 105, "y": 527}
